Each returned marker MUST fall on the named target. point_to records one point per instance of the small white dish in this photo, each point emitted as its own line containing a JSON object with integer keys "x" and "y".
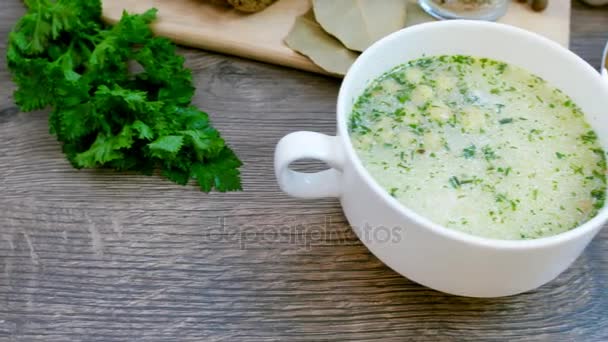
{"x": 425, "y": 252}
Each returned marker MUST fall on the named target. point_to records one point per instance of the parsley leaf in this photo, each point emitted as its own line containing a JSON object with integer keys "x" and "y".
{"x": 105, "y": 114}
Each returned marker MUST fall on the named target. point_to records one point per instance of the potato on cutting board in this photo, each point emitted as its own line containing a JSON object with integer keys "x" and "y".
{"x": 249, "y": 6}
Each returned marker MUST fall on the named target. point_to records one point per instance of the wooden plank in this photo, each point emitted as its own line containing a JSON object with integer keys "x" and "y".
{"x": 260, "y": 36}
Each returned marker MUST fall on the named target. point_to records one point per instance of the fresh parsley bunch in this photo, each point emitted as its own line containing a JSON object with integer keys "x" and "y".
{"x": 120, "y": 97}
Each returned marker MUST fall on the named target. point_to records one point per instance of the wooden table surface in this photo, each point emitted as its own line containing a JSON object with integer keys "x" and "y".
{"x": 101, "y": 256}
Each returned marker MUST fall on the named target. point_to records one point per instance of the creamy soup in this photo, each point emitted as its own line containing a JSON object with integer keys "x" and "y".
{"x": 480, "y": 146}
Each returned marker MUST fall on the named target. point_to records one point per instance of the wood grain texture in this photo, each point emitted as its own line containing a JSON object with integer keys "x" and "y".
{"x": 101, "y": 256}
{"x": 224, "y": 29}
{"x": 260, "y": 36}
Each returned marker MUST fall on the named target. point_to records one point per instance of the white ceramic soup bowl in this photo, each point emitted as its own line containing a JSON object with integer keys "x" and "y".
{"x": 425, "y": 252}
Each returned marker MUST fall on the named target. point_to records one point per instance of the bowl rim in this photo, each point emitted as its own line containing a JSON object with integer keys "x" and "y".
{"x": 552, "y": 48}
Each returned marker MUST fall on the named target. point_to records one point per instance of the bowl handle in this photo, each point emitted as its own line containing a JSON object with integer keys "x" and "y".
{"x": 309, "y": 145}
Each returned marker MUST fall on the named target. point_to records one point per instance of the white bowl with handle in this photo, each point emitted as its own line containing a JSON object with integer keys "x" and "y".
{"x": 427, "y": 253}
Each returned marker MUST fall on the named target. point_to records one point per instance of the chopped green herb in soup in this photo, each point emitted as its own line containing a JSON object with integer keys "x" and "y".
{"x": 480, "y": 146}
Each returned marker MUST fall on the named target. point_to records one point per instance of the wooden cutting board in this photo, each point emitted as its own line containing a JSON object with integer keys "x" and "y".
{"x": 260, "y": 36}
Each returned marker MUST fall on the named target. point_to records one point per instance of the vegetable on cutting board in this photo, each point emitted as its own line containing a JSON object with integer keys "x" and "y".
{"x": 248, "y": 6}
{"x": 308, "y": 38}
{"x": 358, "y": 24}
{"x": 338, "y": 29}
{"x": 120, "y": 98}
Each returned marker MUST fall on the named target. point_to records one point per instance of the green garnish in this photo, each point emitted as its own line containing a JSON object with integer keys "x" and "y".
{"x": 403, "y": 167}
{"x": 399, "y": 78}
{"x": 469, "y": 152}
{"x": 600, "y": 197}
{"x": 535, "y": 194}
{"x": 589, "y": 137}
{"x": 416, "y": 129}
{"x": 505, "y": 121}
{"x": 488, "y": 153}
{"x": 534, "y": 133}
{"x": 423, "y": 62}
{"x": 506, "y": 170}
{"x": 577, "y": 169}
{"x": 501, "y": 67}
{"x": 452, "y": 121}
{"x": 559, "y": 155}
{"x": 399, "y": 113}
{"x": 61, "y": 55}
{"x": 405, "y": 93}
{"x": 461, "y": 59}
{"x": 454, "y": 182}
{"x": 404, "y": 97}
{"x": 502, "y": 198}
